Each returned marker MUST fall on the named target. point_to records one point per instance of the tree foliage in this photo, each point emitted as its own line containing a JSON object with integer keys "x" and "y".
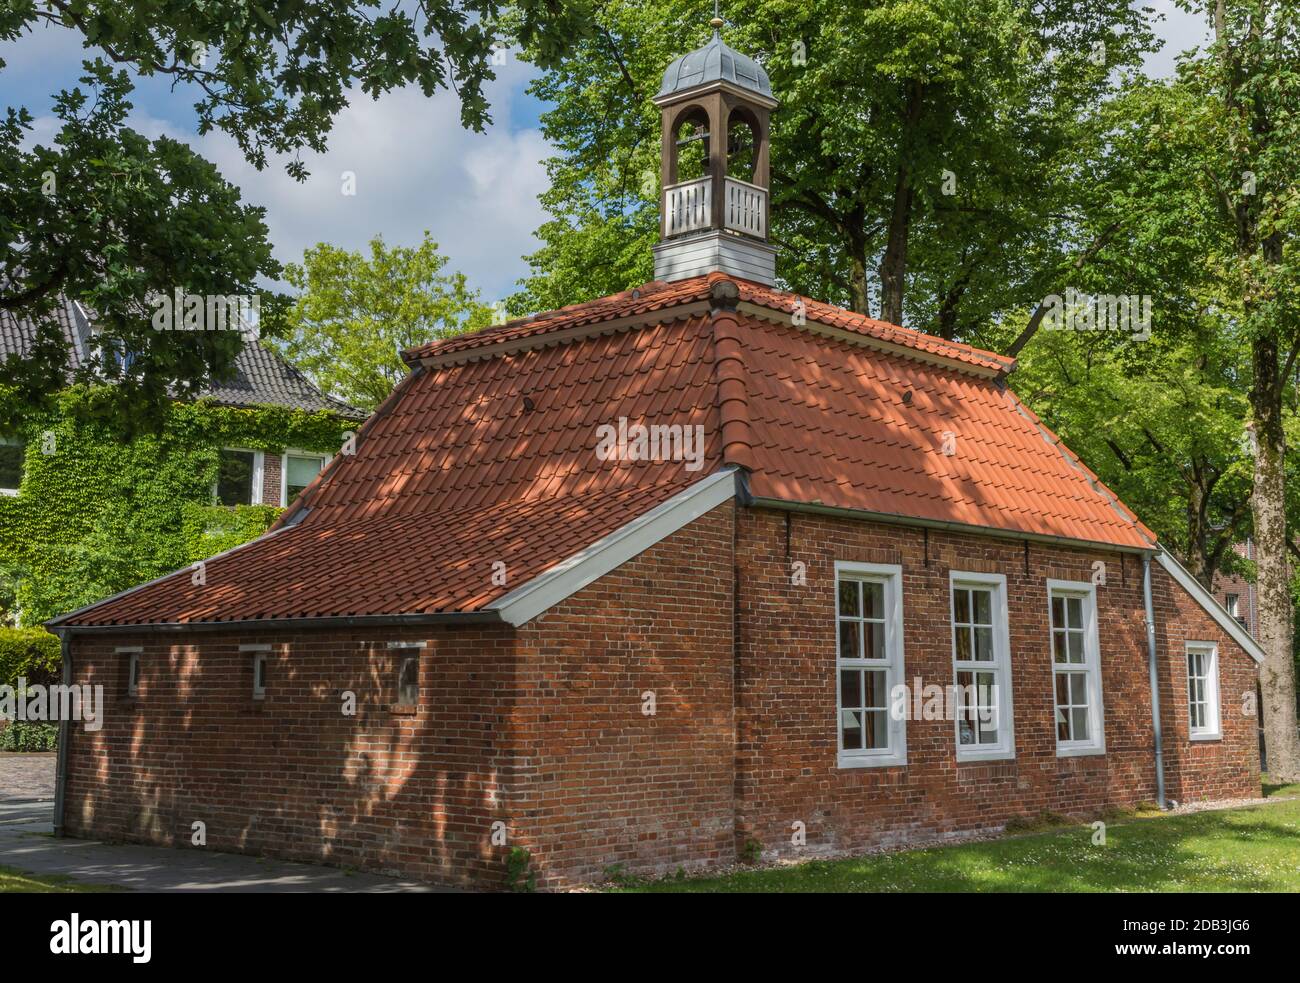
{"x": 354, "y": 314}
{"x": 108, "y": 217}
{"x": 886, "y": 107}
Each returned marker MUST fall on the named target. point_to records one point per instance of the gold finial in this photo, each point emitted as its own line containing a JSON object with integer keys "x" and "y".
{"x": 716, "y": 23}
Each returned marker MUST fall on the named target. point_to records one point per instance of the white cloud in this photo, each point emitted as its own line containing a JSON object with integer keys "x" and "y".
{"x": 416, "y": 168}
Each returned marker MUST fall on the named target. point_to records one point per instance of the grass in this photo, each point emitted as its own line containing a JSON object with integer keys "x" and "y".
{"x": 16, "y": 882}
{"x": 1248, "y": 849}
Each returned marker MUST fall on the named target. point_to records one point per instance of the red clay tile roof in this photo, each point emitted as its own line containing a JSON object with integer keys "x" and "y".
{"x": 488, "y": 454}
{"x": 658, "y": 296}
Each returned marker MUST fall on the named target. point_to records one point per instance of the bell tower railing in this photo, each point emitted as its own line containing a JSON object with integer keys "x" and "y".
{"x": 688, "y": 206}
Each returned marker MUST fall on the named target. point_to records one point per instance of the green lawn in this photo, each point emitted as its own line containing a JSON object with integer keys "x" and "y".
{"x": 16, "y": 882}
{"x": 1250, "y": 849}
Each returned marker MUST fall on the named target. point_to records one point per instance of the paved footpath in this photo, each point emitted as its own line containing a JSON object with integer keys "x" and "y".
{"x": 27, "y": 843}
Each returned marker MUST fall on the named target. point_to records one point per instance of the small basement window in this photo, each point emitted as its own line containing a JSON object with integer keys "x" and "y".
{"x": 408, "y": 673}
{"x": 132, "y": 674}
{"x": 261, "y": 654}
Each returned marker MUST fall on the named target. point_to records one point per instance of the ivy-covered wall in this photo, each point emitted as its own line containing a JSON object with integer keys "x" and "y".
{"x": 98, "y": 512}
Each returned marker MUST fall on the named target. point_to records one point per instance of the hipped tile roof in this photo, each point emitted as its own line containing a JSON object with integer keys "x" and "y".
{"x": 486, "y": 454}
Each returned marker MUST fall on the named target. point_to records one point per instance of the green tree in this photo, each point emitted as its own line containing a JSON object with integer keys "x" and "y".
{"x": 928, "y": 144}
{"x": 1242, "y": 143}
{"x": 108, "y": 217}
{"x": 354, "y": 314}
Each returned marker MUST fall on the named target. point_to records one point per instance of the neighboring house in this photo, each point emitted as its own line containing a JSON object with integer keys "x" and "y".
{"x": 515, "y": 618}
{"x": 55, "y": 462}
{"x": 1237, "y": 594}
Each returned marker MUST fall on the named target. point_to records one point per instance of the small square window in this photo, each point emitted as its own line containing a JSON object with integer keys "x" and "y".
{"x": 259, "y": 675}
{"x": 408, "y": 680}
{"x": 132, "y": 670}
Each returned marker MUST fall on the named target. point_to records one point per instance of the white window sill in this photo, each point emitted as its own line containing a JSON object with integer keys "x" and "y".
{"x": 993, "y": 754}
{"x": 1206, "y": 737}
{"x": 11, "y": 492}
{"x": 1080, "y": 752}
{"x": 876, "y": 761}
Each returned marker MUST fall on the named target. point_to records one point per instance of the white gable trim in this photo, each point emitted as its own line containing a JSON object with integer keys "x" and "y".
{"x": 568, "y": 577}
{"x": 1212, "y": 607}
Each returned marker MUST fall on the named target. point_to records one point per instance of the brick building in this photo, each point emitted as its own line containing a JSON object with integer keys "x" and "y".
{"x": 651, "y": 579}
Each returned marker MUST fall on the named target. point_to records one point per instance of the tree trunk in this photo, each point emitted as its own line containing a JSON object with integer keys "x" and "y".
{"x": 893, "y": 265}
{"x": 1268, "y": 503}
{"x": 858, "y": 299}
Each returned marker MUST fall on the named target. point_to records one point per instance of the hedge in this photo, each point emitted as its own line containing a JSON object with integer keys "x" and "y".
{"x": 24, "y": 736}
{"x": 31, "y": 653}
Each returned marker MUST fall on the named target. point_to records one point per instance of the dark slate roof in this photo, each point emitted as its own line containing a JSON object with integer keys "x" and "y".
{"x": 717, "y": 61}
{"x": 261, "y": 376}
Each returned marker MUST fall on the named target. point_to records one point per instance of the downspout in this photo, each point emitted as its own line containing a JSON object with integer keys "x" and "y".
{"x": 61, "y": 769}
{"x": 1155, "y": 682}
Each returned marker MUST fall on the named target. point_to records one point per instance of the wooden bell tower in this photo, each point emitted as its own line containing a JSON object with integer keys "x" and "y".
{"x": 714, "y": 108}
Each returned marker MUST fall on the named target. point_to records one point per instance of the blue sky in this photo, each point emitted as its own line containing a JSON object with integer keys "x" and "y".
{"x": 415, "y": 167}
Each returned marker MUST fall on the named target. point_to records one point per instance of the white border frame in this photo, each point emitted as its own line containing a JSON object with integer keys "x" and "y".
{"x": 1091, "y": 662}
{"x": 1212, "y": 607}
{"x": 569, "y": 576}
{"x": 1004, "y": 750}
{"x": 891, "y": 575}
{"x": 1213, "y": 698}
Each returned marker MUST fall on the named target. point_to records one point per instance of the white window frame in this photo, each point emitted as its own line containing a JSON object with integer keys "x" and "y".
{"x": 1212, "y": 729}
{"x": 1232, "y": 602}
{"x": 259, "y": 465}
{"x": 1091, "y": 667}
{"x": 1005, "y": 749}
{"x": 260, "y": 654}
{"x": 284, "y": 469}
{"x": 14, "y": 442}
{"x": 890, "y": 575}
{"x": 133, "y": 654}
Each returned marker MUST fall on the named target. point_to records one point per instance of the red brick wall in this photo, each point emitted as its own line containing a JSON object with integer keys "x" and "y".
{"x": 1217, "y": 769}
{"x": 271, "y": 476}
{"x": 603, "y": 782}
{"x": 291, "y": 775}
{"x": 785, "y": 692}
{"x": 542, "y": 728}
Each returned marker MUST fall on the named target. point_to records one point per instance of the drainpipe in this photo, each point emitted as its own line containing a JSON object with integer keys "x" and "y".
{"x": 1155, "y": 683}
{"x": 61, "y": 771}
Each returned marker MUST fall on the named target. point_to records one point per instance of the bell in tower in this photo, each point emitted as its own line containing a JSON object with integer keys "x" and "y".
{"x": 714, "y": 105}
